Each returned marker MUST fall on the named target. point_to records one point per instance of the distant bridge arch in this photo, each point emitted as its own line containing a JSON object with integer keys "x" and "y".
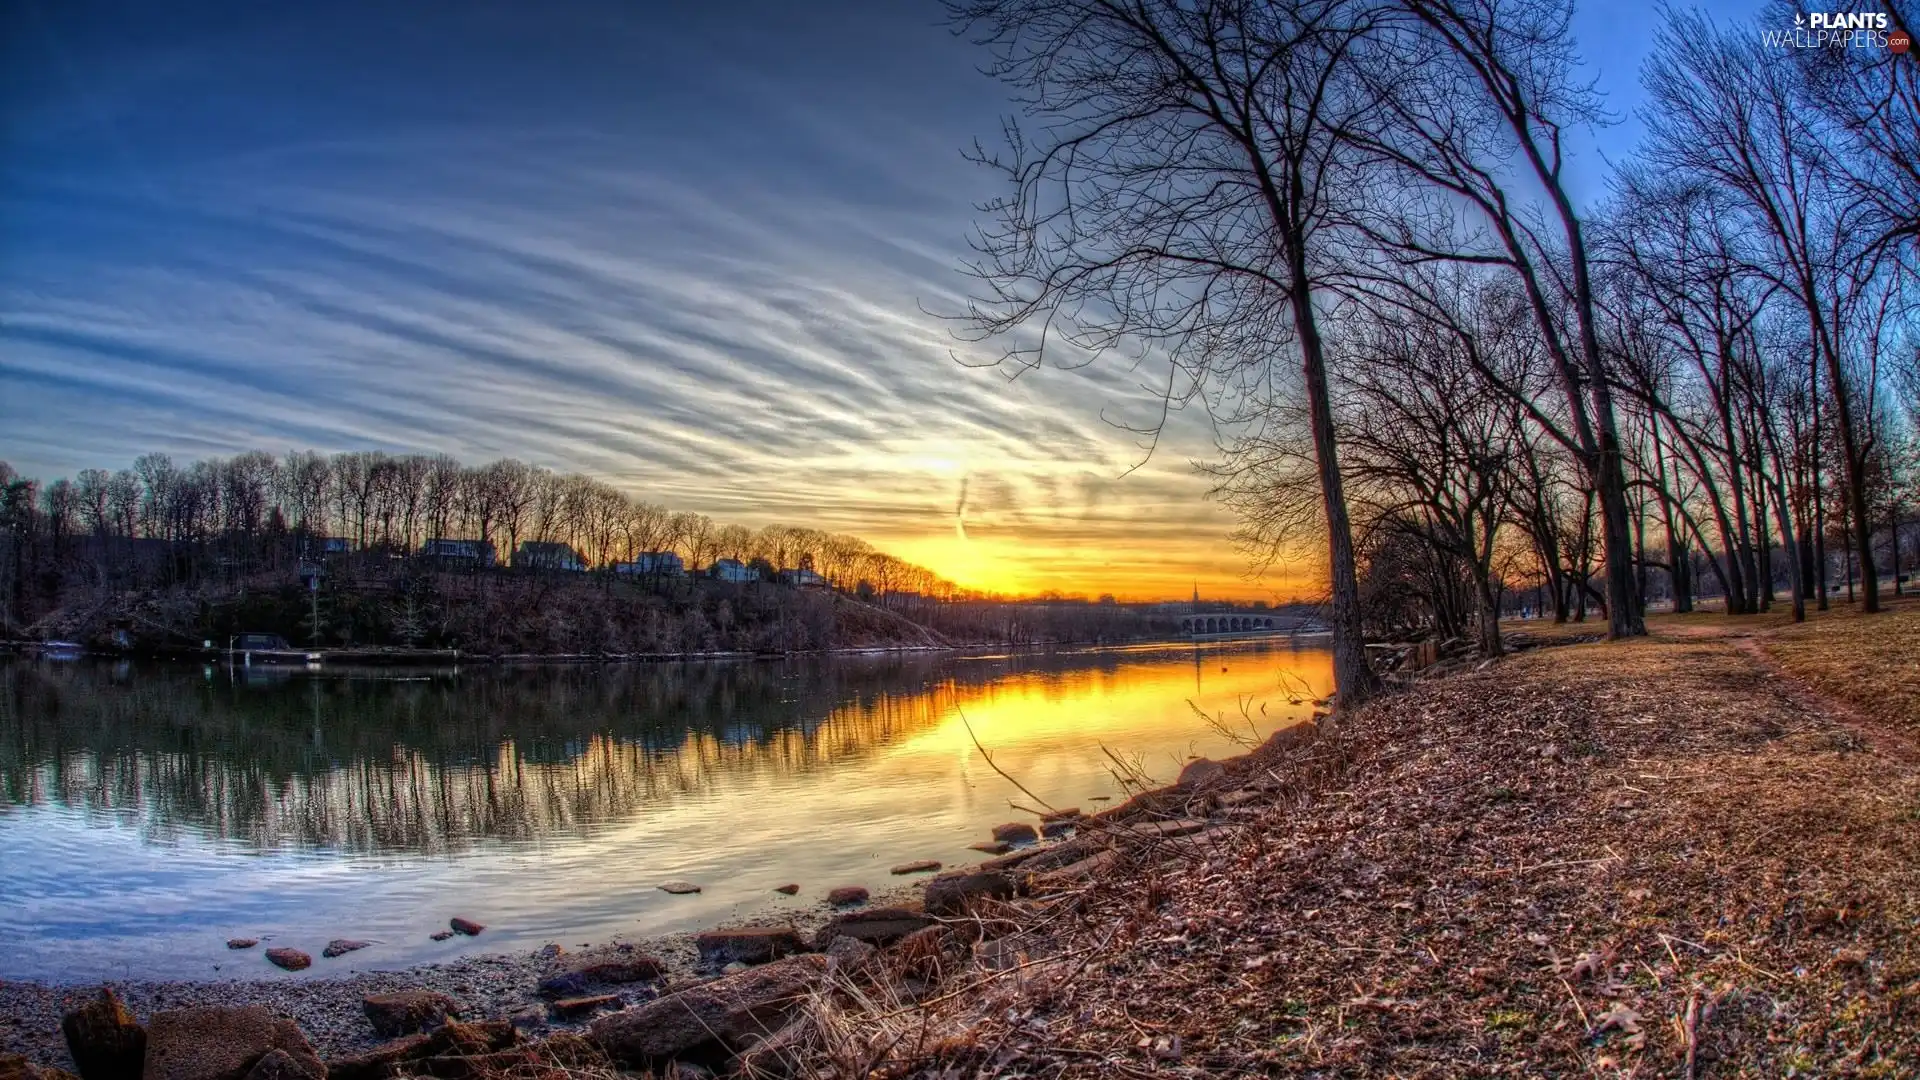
{"x": 1227, "y": 624}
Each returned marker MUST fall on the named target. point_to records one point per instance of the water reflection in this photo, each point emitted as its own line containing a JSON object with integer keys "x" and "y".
{"x": 153, "y": 810}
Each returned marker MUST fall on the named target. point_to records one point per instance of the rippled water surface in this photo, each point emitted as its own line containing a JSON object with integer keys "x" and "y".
{"x": 150, "y": 812}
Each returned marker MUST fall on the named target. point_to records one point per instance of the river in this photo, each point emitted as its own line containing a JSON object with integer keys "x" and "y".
{"x": 149, "y": 812}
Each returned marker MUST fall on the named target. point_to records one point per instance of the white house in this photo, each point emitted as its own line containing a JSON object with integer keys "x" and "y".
{"x": 654, "y": 563}
{"x": 802, "y": 578}
{"x": 732, "y": 570}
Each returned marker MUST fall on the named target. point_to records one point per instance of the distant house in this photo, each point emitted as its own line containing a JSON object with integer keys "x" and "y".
{"x": 803, "y": 578}
{"x": 327, "y": 545}
{"x": 542, "y": 555}
{"x": 732, "y": 570}
{"x": 653, "y": 564}
{"x": 475, "y": 552}
{"x": 261, "y": 642}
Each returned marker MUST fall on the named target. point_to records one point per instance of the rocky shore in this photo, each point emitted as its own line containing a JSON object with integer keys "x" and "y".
{"x": 593, "y": 999}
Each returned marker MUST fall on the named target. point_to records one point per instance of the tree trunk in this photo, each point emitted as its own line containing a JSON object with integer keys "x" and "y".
{"x": 1354, "y": 679}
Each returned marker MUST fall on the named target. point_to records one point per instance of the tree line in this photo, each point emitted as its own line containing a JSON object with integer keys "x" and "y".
{"x": 221, "y": 520}
{"x": 1349, "y": 228}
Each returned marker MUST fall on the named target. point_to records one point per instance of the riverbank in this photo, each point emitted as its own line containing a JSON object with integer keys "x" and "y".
{"x": 1689, "y": 855}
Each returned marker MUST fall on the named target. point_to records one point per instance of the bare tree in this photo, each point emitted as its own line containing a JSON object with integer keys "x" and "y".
{"x": 1179, "y": 190}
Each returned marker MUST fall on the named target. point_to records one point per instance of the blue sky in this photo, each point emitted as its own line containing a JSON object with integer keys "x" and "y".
{"x": 687, "y": 248}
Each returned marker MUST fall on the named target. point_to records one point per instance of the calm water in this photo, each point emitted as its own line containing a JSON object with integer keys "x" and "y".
{"x": 148, "y": 813}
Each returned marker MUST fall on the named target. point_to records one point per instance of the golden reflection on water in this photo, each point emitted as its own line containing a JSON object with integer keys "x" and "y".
{"x": 394, "y": 767}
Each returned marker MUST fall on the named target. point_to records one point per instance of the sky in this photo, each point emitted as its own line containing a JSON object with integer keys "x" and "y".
{"x": 701, "y": 251}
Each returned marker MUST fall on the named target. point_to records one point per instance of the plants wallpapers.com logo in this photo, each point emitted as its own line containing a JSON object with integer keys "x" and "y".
{"x": 1840, "y": 30}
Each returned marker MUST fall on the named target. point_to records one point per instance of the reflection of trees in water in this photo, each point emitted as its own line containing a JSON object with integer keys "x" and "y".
{"x": 424, "y": 763}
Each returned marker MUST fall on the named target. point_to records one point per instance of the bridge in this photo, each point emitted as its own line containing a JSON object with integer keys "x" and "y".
{"x": 1231, "y": 624}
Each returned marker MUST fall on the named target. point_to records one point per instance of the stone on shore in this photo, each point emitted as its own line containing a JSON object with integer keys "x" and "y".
{"x": 748, "y": 944}
{"x": 289, "y": 959}
{"x": 918, "y": 866}
{"x": 105, "y": 1041}
{"x": 992, "y": 847}
{"x": 1067, "y": 814}
{"x": 277, "y": 1064}
{"x": 217, "y": 1042}
{"x": 679, "y": 888}
{"x": 578, "y": 974}
{"x": 242, "y": 942}
{"x": 407, "y": 1011}
{"x": 343, "y": 946}
{"x": 711, "y": 1020}
{"x": 875, "y": 926}
{"x": 441, "y": 935}
{"x": 788, "y": 889}
{"x": 1201, "y": 772}
{"x": 464, "y": 926}
{"x": 1052, "y": 829}
{"x": 850, "y": 956}
{"x": 584, "y": 1006}
{"x": 1016, "y": 832}
{"x": 17, "y": 1067}
{"x": 847, "y": 895}
{"x": 379, "y": 1062}
{"x": 957, "y": 893}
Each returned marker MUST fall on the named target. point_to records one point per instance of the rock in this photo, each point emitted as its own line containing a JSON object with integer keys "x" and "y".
{"x": 531, "y": 1018}
{"x": 876, "y": 926}
{"x": 847, "y": 895}
{"x": 458, "y": 1039}
{"x": 735, "y": 968}
{"x": 748, "y": 944}
{"x": 242, "y": 942}
{"x": 1289, "y": 737}
{"x": 1159, "y": 830}
{"x": 1090, "y": 867}
{"x": 710, "y": 1020}
{"x": 465, "y": 926}
{"x": 850, "y": 955}
{"x": 280, "y": 1065}
{"x": 583, "y": 1006}
{"x": 17, "y": 1067}
{"x": 918, "y": 866}
{"x": 407, "y": 1011}
{"x": 1016, "y": 832}
{"x": 955, "y": 894}
{"x": 788, "y": 889}
{"x": 289, "y": 959}
{"x": 379, "y": 1062}
{"x": 223, "y": 1043}
{"x": 580, "y": 973}
{"x": 1201, "y": 772}
{"x": 679, "y": 888}
{"x": 920, "y": 953}
{"x": 992, "y": 847}
{"x": 1053, "y": 829}
{"x": 105, "y": 1041}
{"x": 441, "y": 935}
{"x": 343, "y": 946}
{"x": 1067, "y": 814}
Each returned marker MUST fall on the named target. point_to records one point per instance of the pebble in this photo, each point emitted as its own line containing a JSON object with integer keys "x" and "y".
{"x": 465, "y": 926}
{"x": 679, "y": 888}
{"x": 242, "y": 942}
{"x": 343, "y": 946}
{"x": 789, "y": 889}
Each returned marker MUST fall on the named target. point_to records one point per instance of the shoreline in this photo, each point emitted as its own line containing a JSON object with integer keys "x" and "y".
{"x": 322, "y": 658}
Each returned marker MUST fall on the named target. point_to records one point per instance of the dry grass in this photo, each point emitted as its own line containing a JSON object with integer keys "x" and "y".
{"x": 1654, "y": 858}
{"x": 1870, "y": 662}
